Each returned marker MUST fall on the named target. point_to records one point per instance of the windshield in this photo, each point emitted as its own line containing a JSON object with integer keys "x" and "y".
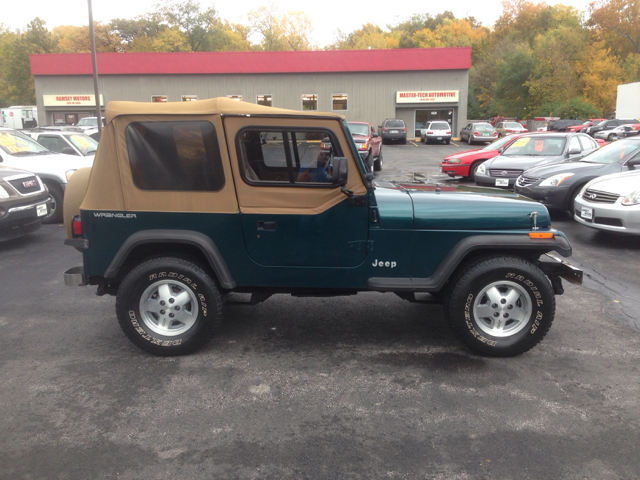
{"x": 15, "y": 143}
{"x": 359, "y": 129}
{"x": 536, "y": 147}
{"x": 614, "y": 152}
{"x": 498, "y": 143}
{"x": 88, "y": 121}
{"x": 596, "y": 122}
{"x": 84, "y": 143}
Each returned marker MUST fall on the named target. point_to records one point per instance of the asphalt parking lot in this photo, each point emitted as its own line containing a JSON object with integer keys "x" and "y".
{"x": 368, "y": 386}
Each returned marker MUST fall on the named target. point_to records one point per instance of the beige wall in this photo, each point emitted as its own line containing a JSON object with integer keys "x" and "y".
{"x": 371, "y": 95}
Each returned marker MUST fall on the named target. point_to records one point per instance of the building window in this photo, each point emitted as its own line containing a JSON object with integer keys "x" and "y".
{"x": 289, "y": 156}
{"x": 174, "y": 156}
{"x": 339, "y": 101}
{"x": 235, "y": 97}
{"x": 309, "y": 102}
{"x": 159, "y": 99}
{"x": 265, "y": 100}
{"x": 189, "y": 98}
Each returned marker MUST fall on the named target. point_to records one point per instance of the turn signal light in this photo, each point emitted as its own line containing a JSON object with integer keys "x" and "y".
{"x": 538, "y": 235}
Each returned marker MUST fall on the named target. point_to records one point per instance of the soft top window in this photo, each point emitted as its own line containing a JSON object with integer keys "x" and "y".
{"x": 174, "y": 156}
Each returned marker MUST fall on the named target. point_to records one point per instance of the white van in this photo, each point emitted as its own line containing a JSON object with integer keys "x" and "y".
{"x": 19, "y": 117}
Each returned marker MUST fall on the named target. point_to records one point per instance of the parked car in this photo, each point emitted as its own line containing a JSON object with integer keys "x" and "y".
{"x": 608, "y": 125}
{"x": 611, "y": 202}
{"x": 563, "y": 125}
{"x": 89, "y": 122}
{"x": 369, "y": 144}
{"x": 509, "y": 128}
{"x": 393, "y": 130}
{"x": 621, "y": 131}
{"x": 436, "y": 131}
{"x": 24, "y": 203}
{"x": 54, "y": 169}
{"x": 465, "y": 163}
{"x": 67, "y": 142}
{"x": 584, "y": 125}
{"x": 556, "y": 186}
{"x": 236, "y": 211}
{"x": 478, "y": 132}
{"x": 529, "y": 151}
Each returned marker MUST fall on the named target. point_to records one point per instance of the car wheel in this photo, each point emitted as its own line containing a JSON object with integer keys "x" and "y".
{"x": 469, "y": 139}
{"x": 612, "y": 137}
{"x": 168, "y": 306}
{"x": 501, "y": 306}
{"x": 473, "y": 169}
{"x": 572, "y": 199}
{"x": 447, "y": 142}
{"x": 377, "y": 164}
{"x": 404, "y": 141}
{"x": 57, "y": 197}
{"x": 368, "y": 161}
{"x": 499, "y": 135}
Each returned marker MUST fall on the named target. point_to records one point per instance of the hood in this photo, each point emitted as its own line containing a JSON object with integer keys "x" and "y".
{"x": 618, "y": 183}
{"x": 54, "y": 163}
{"x": 360, "y": 138}
{"x": 473, "y": 153}
{"x": 10, "y": 172}
{"x": 457, "y": 208}
{"x": 546, "y": 171}
{"x": 518, "y": 162}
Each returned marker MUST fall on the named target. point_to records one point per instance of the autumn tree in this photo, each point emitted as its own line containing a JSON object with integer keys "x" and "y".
{"x": 188, "y": 19}
{"x": 367, "y": 36}
{"x": 601, "y": 76}
{"x": 617, "y": 22}
{"x": 77, "y": 39}
{"x": 280, "y": 32}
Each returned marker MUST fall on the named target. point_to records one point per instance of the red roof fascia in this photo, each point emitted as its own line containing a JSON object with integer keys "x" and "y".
{"x": 159, "y": 63}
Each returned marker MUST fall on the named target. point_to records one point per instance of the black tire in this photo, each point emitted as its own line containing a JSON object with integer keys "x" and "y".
{"x": 404, "y": 141}
{"x": 377, "y": 163}
{"x": 447, "y": 142}
{"x": 473, "y": 169}
{"x": 368, "y": 161}
{"x": 575, "y": 193}
{"x": 57, "y": 198}
{"x": 612, "y": 136}
{"x": 521, "y": 292}
{"x": 196, "y": 317}
{"x": 469, "y": 139}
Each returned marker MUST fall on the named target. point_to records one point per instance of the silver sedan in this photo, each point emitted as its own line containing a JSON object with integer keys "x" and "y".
{"x": 611, "y": 202}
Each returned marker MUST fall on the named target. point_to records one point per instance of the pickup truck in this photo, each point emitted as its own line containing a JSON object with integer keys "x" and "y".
{"x": 189, "y": 202}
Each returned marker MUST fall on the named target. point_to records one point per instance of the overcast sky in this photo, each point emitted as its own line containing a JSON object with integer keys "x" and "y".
{"x": 327, "y": 16}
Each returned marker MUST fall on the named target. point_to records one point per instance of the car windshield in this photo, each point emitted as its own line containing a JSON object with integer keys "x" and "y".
{"x": 512, "y": 125}
{"x": 85, "y": 144}
{"x": 614, "y": 152}
{"x": 394, "y": 124}
{"x": 440, "y": 126}
{"x": 15, "y": 143}
{"x": 596, "y": 122}
{"x": 499, "y": 143}
{"x": 536, "y": 146}
{"x": 359, "y": 129}
{"x": 483, "y": 126}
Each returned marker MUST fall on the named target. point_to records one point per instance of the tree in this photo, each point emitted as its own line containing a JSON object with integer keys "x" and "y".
{"x": 137, "y": 34}
{"x": 601, "y": 76}
{"x": 617, "y": 22}
{"x": 77, "y": 39}
{"x": 287, "y": 32}
{"x": 368, "y": 36}
{"x": 187, "y": 18}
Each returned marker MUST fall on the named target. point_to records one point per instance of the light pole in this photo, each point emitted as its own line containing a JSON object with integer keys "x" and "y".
{"x": 95, "y": 70}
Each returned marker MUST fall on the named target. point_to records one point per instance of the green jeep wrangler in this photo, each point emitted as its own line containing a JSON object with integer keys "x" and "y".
{"x": 187, "y": 202}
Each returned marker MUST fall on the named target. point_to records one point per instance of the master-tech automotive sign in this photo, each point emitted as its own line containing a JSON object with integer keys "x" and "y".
{"x": 427, "y": 96}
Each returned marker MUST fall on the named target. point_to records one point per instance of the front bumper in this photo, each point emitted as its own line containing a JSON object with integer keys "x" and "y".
{"x": 612, "y": 217}
{"x": 455, "y": 169}
{"x": 484, "y": 180}
{"x": 551, "y": 197}
{"x": 23, "y": 219}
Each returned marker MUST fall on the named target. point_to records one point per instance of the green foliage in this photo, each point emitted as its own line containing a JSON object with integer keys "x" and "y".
{"x": 573, "y": 108}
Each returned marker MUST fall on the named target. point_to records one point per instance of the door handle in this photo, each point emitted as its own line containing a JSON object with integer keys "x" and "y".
{"x": 266, "y": 225}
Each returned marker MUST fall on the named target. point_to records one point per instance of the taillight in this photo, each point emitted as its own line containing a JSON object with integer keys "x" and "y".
{"x": 382, "y": 129}
{"x": 448, "y": 132}
{"x": 405, "y": 129}
{"x": 495, "y": 134}
{"x": 429, "y": 132}
{"x": 76, "y": 226}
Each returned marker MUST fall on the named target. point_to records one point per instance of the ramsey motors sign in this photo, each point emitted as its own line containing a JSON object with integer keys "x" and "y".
{"x": 427, "y": 96}
{"x": 65, "y": 100}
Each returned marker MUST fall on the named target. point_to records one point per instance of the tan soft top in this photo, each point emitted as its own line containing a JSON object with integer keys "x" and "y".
{"x": 211, "y": 106}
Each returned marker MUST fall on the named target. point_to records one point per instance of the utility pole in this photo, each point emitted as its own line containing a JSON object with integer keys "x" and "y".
{"x": 95, "y": 70}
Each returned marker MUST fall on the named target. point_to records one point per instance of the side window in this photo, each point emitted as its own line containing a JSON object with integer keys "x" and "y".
{"x": 174, "y": 156}
{"x": 574, "y": 143}
{"x": 287, "y": 156}
{"x": 587, "y": 143}
{"x": 55, "y": 144}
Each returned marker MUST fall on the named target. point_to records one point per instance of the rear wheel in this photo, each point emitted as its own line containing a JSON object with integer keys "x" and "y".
{"x": 501, "y": 306}
{"x": 612, "y": 137}
{"x": 168, "y": 306}
{"x": 469, "y": 139}
{"x": 377, "y": 164}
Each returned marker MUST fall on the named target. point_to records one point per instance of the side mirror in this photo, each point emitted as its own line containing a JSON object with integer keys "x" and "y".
{"x": 574, "y": 151}
{"x": 374, "y": 135}
{"x": 500, "y": 150}
{"x": 634, "y": 162}
{"x": 339, "y": 171}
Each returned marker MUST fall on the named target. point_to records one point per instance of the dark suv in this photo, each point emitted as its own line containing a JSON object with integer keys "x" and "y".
{"x": 561, "y": 125}
{"x": 393, "y": 130}
{"x": 188, "y": 202}
{"x": 608, "y": 125}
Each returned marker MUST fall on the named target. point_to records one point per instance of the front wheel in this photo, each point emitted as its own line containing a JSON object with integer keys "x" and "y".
{"x": 57, "y": 198}
{"x": 501, "y": 306}
{"x": 168, "y": 306}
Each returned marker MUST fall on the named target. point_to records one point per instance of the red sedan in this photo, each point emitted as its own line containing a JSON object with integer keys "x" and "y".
{"x": 464, "y": 164}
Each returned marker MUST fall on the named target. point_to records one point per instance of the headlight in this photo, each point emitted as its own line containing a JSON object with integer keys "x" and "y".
{"x": 555, "y": 180}
{"x": 68, "y": 174}
{"x": 361, "y": 146}
{"x": 453, "y": 160}
{"x": 3, "y": 192}
{"x": 632, "y": 199}
{"x": 482, "y": 169}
